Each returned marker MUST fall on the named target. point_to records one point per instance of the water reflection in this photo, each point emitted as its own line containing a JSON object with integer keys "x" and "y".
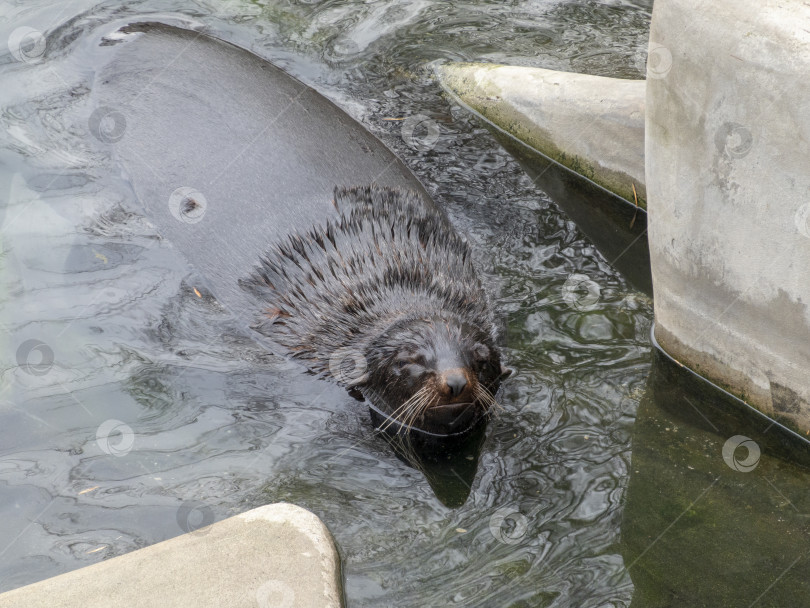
{"x": 618, "y": 229}
{"x": 449, "y": 464}
{"x": 706, "y": 524}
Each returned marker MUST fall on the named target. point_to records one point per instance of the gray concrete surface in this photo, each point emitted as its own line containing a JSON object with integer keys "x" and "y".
{"x": 276, "y": 556}
{"x": 728, "y": 179}
{"x": 590, "y": 124}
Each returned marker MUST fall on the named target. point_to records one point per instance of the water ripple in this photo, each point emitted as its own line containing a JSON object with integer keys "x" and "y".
{"x": 219, "y": 423}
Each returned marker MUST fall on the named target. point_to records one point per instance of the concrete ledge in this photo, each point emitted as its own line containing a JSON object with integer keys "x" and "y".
{"x": 727, "y": 156}
{"x": 276, "y": 556}
{"x": 590, "y": 124}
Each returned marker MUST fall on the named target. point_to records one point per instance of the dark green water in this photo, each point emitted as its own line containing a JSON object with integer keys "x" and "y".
{"x": 603, "y": 481}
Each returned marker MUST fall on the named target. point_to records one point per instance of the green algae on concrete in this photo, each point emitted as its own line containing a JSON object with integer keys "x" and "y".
{"x": 699, "y": 531}
{"x": 276, "y": 556}
{"x": 592, "y": 125}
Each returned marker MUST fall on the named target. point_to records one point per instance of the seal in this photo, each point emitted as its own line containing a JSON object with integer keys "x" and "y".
{"x": 391, "y": 287}
{"x": 372, "y": 275}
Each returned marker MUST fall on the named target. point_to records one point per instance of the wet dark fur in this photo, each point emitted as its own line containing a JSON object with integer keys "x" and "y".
{"x": 391, "y": 281}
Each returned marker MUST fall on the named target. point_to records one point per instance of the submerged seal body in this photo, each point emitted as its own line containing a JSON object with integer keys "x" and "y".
{"x": 236, "y": 164}
{"x": 389, "y": 288}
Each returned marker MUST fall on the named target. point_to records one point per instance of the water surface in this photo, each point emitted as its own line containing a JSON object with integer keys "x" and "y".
{"x": 102, "y": 323}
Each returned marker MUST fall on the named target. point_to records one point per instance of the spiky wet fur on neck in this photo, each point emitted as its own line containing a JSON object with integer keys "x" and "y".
{"x": 387, "y": 257}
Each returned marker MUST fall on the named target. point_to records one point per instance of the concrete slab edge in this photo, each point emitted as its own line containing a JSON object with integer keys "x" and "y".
{"x": 275, "y": 556}
{"x": 504, "y": 115}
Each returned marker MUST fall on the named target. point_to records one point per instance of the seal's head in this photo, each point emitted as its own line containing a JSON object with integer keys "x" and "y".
{"x": 437, "y": 373}
{"x": 390, "y": 287}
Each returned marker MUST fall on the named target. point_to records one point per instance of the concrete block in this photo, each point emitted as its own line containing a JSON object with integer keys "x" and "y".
{"x": 590, "y": 124}
{"x": 276, "y": 556}
{"x": 728, "y": 151}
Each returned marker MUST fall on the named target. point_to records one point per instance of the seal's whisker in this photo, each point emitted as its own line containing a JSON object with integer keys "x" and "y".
{"x": 416, "y": 406}
{"x": 413, "y": 414}
{"x": 392, "y": 418}
{"x": 404, "y": 447}
{"x": 478, "y": 395}
{"x": 416, "y": 409}
{"x": 483, "y": 394}
{"x": 422, "y": 408}
{"x": 396, "y": 415}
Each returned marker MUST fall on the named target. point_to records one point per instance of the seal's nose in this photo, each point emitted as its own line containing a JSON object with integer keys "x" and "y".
{"x": 456, "y": 384}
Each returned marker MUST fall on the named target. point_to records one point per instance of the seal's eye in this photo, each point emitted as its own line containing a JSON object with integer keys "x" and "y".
{"x": 480, "y": 352}
{"x": 419, "y": 360}
{"x": 416, "y": 360}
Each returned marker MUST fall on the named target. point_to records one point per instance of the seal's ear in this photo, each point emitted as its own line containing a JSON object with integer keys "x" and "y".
{"x": 505, "y": 372}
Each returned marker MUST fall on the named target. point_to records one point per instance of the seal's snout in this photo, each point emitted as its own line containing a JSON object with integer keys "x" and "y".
{"x": 454, "y": 382}
{"x": 454, "y": 385}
